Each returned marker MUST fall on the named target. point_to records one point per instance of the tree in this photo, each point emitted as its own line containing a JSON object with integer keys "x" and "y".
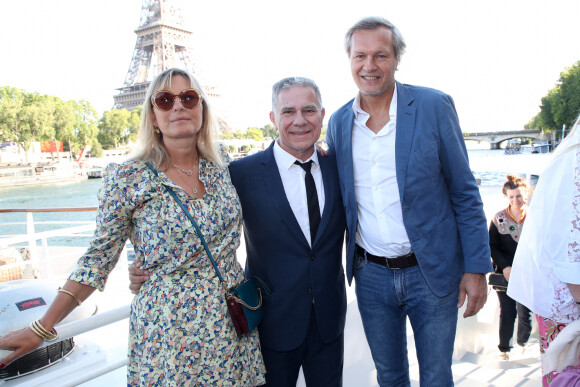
{"x": 96, "y": 149}
{"x": 561, "y": 105}
{"x": 566, "y": 104}
{"x": 64, "y": 123}
{"x": 134, "y": 124}
{"x": 10, "y": 104}
{"x": 255, "y": 134}
{"x": 270, "y": 131}
{"x": 114, "y": 128}
{"x": 36, "y": 118}
{"x": 86, "y": 128}
{"x": 27, "y": 117}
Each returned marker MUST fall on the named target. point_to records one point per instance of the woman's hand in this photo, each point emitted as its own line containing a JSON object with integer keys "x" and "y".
{"x": 21, "y": 342}
{"x": 137, "y": 276}
{"x": 321, "y": 151}
{"x": 506, "y": 273}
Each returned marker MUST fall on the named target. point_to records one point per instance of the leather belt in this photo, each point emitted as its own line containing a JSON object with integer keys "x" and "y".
{"x": 401, "y": 262}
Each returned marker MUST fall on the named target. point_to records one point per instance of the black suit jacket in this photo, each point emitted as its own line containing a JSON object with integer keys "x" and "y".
{"x": 279, "y": 254}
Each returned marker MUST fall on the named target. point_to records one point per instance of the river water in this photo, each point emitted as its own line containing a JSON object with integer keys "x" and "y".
{"x": 491, "y": 166}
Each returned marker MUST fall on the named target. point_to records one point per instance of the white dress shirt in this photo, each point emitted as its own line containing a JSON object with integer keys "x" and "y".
{"x": 295, "y": 186}
{"x": 380, "y": 228}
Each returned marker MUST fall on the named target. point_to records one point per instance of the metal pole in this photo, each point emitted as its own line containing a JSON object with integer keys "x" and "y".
{"x": 563, "y": 130}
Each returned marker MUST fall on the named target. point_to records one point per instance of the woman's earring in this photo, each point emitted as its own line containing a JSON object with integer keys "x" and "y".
{"x": 157, "y": 130}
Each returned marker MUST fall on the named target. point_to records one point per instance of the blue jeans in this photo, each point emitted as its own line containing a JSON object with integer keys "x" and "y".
{"x": 385, "y": 298}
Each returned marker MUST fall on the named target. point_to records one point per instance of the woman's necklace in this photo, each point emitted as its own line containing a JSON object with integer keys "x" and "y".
{"x": 188, "y": 172}
{"x": 194, "y": 190}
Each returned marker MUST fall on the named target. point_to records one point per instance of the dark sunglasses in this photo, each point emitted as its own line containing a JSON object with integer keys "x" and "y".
{"x": 164, "y": 100}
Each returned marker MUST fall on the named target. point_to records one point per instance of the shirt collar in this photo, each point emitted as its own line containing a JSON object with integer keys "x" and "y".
{"x": 286, "y": 160}
{"x": 358, "y": 110}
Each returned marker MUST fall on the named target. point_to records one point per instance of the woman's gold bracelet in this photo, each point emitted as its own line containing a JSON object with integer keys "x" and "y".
{"x": 41, "y": 331}
{"x": 60, "y": 290}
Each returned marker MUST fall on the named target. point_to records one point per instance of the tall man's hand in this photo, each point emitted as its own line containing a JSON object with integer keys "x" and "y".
{"x": 137, "y": 276}
{"x": 474, "y": 287}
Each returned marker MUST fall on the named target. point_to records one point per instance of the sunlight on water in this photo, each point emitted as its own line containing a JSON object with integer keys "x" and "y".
{"x": 492, "y": 166}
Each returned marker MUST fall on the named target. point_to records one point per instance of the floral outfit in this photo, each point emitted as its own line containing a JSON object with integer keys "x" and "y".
{"x": 548, "y": 255}
{"x": 180, "y": 329}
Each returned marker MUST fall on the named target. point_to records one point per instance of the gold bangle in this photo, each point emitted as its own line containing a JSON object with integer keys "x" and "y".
{"x": 39, "y": 328}
{"x": 41, "y": 331}
{"x": 60, "y": 290}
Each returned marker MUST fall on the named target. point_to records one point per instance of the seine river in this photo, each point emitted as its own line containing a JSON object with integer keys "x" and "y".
{"x": 491, "y": 166}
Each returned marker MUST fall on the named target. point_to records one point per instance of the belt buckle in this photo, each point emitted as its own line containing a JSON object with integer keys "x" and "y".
{"x": 389, "y": 266}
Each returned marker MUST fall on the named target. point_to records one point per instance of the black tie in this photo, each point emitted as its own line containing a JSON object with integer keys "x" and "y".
{"x": 312, "y": 198}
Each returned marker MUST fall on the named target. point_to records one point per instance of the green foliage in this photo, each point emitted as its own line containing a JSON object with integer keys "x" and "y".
{"x": 117, "y": 127}
{"x": 86, "y": 128}
{"x": 64, "y": 123}
{"x": 561, "y": 105}
{"x": 10, "y": 104}
{"x": 26, "y": 117}
{"x": 270, "y": 131}
{"x": 36, "y": 119}
{"x": 255, "y": 134}
{"x": 96, "y": 149}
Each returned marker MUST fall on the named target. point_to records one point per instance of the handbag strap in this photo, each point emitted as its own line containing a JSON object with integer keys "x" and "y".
{"x": 179, "y": 202}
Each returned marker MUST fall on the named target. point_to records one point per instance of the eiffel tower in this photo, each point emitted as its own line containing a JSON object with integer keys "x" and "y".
{"x": 163, "y": 41}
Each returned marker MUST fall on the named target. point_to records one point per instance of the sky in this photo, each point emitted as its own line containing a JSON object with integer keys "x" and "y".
{"x": 496, "y": 58}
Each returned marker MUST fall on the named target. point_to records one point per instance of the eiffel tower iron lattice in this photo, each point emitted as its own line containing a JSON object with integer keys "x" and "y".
{"x": 163, "y": 41}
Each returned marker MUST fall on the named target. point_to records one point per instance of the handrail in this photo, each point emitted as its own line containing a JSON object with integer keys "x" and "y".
{"x": 77, "y": 374}
{"x": 57, "y": 209}
{"x": 75, "y": 328}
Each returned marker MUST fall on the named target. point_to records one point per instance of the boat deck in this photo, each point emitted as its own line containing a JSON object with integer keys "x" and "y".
{"x": 475, "y": 361}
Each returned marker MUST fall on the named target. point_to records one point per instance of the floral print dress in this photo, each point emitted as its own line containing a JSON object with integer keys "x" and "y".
{"x": 180, "y": 331}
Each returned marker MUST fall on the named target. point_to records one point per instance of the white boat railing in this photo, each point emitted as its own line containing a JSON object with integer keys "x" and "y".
{"x": 40, "y": 257}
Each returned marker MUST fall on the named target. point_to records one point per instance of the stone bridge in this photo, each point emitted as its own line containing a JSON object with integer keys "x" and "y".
{"x": 496, "y": 138}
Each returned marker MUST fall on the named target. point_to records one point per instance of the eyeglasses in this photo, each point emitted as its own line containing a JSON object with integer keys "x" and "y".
{"x": 164, "y": 100}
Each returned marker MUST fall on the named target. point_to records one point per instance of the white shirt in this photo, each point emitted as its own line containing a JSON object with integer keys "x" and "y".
{"x": 295, "y": 187}
{"x": 380, "y": 228}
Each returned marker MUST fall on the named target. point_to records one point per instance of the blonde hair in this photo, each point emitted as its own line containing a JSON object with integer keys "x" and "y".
{"x": 150, "y": 144}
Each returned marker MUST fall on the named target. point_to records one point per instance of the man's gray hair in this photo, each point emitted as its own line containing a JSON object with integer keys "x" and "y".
{"x": 373, "y": 23}
{"x": 290, "y": 82}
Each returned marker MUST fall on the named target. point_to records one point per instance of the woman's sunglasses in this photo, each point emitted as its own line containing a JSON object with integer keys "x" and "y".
{"x": 164, "y": 100}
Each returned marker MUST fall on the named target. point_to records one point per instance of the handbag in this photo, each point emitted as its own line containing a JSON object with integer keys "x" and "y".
{"x": 244, "y": 301}
{"x": 498, "y": 282}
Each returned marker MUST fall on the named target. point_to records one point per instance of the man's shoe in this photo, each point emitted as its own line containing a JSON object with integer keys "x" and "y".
{"x": 503, "y": 356}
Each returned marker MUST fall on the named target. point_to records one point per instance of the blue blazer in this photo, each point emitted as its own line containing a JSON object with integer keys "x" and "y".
{"x": 279, "y": 254}
{"x": 442, "y": 208}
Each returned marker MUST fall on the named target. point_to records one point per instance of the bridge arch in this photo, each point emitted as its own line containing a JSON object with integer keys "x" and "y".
{"x": 495, "y": 139}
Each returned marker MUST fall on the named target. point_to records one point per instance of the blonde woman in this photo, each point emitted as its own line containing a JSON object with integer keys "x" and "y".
{"x": 180, "y": 330}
